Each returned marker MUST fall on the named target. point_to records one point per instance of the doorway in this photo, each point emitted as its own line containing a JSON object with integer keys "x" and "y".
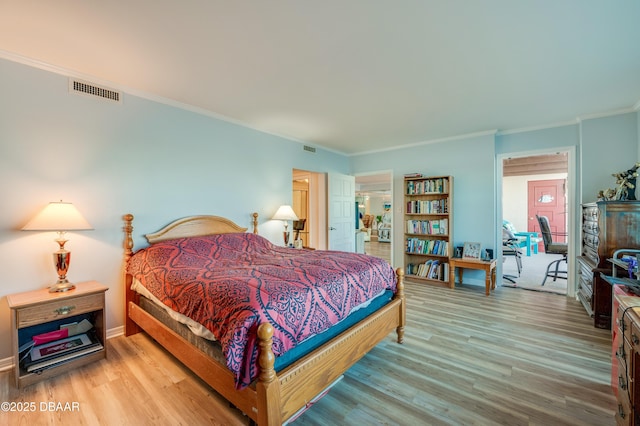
{"x": 374, "y": 197}
{"x": 536, "y": 185}
{"x": 309, "y": 202}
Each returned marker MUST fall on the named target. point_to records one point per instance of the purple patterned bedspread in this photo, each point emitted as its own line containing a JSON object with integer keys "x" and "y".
{"x": 231, "y": 283}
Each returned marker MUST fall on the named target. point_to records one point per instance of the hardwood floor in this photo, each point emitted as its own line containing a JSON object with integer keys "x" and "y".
{"x": 377, "y": 249}
{"x": 514, "y": 358}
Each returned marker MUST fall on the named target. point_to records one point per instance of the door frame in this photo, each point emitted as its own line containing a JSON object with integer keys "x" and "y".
{"x": 388, "y": 172}
{"x": 573, "y": 241}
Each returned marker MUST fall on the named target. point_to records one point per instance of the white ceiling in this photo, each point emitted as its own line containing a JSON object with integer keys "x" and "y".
{"x": 350, "y": 75}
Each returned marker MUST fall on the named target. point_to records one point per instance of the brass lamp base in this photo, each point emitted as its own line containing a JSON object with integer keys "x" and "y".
{"x": 61, "y": 260}
{"x": 60, "y": 287}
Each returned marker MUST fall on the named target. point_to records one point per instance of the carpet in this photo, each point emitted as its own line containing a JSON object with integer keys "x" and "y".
{"x": 533, "y": 271}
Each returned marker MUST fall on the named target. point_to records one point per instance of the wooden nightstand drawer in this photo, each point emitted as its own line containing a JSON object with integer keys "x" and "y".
{"x": 59, "y": 309}
{"x": 38, "y": 311}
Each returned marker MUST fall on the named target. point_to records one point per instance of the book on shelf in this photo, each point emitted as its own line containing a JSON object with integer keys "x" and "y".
{"x": 428, "y": 186}
{"x": 59, "y": 351}
{"x": 431, "y": 269}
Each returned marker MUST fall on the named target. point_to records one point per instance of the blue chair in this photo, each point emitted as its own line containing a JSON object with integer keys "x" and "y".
{"x": 528, "y": 240}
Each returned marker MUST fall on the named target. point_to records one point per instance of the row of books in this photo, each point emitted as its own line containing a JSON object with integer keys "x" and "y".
{"x": 432, "y": 269}
{"x": 428, "y": 206}
{"x": 435, "y": 247}
{"x": 60, "y": 351}
{"x": 428, "y": 227}
{"x": 428, "y": 186}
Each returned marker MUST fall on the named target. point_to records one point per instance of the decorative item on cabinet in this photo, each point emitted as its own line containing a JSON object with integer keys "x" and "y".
{"x": 626, "y": 190}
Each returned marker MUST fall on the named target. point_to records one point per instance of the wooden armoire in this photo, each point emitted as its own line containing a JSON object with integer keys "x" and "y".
{"x": 606, "y": 227}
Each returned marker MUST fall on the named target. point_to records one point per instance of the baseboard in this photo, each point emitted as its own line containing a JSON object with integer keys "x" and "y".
{"x": 7, "y": 363}
{"x": 115, "y": 332}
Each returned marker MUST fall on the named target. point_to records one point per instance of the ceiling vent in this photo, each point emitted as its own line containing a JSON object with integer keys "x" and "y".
{"x": 309, "y": 148}
{"x": 93, "y": 90}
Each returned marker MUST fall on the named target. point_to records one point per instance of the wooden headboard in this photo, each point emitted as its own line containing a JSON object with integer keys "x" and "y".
{"x": 186, "y": 227}
{"x": 198, "y": 226}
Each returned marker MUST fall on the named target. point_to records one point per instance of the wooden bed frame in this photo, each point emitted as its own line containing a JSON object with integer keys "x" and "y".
{"x": 273, "y": 398}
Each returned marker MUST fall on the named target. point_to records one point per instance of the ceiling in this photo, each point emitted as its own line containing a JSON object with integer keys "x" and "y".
{"x": 536, "y": 165}
{"x": 353, "y": 76}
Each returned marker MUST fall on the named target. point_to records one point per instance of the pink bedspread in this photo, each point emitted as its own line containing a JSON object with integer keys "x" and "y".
{"x": 231, "y": 283}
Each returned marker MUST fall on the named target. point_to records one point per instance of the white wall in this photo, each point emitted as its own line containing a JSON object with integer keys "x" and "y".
{"x": 153, "y": 160}
{"x": 515, "y": 198}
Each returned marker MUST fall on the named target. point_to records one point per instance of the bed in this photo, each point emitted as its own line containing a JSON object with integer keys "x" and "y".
{"x": 270, "y": 387}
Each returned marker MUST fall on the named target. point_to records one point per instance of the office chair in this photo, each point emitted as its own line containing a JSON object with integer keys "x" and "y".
{"x": 298, "y": 225}
{"x": 552, "y": 248}
{"x": 510, "y": 247}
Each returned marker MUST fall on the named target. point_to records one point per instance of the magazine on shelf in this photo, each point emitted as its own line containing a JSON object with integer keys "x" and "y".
{"x": 59, "y": 351}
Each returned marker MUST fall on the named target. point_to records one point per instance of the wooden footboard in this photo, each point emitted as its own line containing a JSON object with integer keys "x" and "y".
{"x": 273, "y": 398}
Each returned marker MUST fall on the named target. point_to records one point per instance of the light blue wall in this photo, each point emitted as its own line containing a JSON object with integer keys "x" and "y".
{"x": 153, "y": 160}
{"x": 609, "y": 145}
{"x": 160, "y": 162}
{"x": 471, "y": 162}
{"x": 543, "y": 139}
{"x": 602, "y": 146}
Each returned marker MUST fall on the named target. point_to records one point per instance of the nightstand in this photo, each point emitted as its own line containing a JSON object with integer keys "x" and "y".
{"x": 36, "y": 312}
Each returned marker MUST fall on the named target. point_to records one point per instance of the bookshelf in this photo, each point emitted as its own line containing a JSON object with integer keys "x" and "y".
{"x": 428, "y": 228}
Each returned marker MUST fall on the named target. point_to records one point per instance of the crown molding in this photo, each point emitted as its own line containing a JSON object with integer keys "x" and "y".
{"x": 428, "y": 142}
{"x": 535, "y": 128}
{"x": 13, "y": 57}
{"x": 607, "y": 113}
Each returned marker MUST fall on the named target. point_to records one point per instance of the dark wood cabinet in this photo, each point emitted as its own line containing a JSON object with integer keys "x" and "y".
{"x": 588, "y": 258}
{"x": 616, "y": 226}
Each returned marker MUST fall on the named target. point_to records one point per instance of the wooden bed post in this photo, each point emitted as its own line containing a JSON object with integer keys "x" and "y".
{"x": 267, "y": 387}
{"x": 403, "y": 309}
{"x": 130, "y": 296}
{"x": 255, "y": 223}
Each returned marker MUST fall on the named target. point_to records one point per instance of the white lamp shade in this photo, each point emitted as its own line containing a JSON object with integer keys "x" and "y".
{"x": 58, "y": 216}
{"x": 285, "y": 213}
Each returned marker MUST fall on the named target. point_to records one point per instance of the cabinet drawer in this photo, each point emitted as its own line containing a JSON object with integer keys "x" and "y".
{"x": 586, "y": 274}
{"x": 591, "y": 254}
{"x": 623, "y": 412}
{"x": 590, "y": 213}
{"x": 623, "y": 358}
{"x": 586, "y": 289}
{"x": 591, "y": 240}
{"x": 58, "y": 309}
{"x": 590, "y": 227}
{"x": 634, "y": 336}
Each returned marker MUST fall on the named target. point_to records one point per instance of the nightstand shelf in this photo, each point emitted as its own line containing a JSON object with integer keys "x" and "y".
{"x": 38, "y": 311}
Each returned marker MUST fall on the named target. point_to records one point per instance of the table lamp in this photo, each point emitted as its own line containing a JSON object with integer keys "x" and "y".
{"x": 285, "y": 213}
{"x": 60, "y": 217}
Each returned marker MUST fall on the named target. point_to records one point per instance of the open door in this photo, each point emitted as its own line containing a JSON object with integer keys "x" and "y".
{"x": 341, "y": 213}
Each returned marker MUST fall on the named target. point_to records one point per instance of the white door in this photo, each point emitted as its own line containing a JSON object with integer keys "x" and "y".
{"x": 341, "y": 193}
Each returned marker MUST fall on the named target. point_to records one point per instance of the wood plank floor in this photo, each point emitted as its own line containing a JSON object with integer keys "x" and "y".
{"x": 515, "y": 358}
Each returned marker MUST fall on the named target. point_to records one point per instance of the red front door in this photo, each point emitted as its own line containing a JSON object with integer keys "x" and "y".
{"x": 547, "y": 198}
